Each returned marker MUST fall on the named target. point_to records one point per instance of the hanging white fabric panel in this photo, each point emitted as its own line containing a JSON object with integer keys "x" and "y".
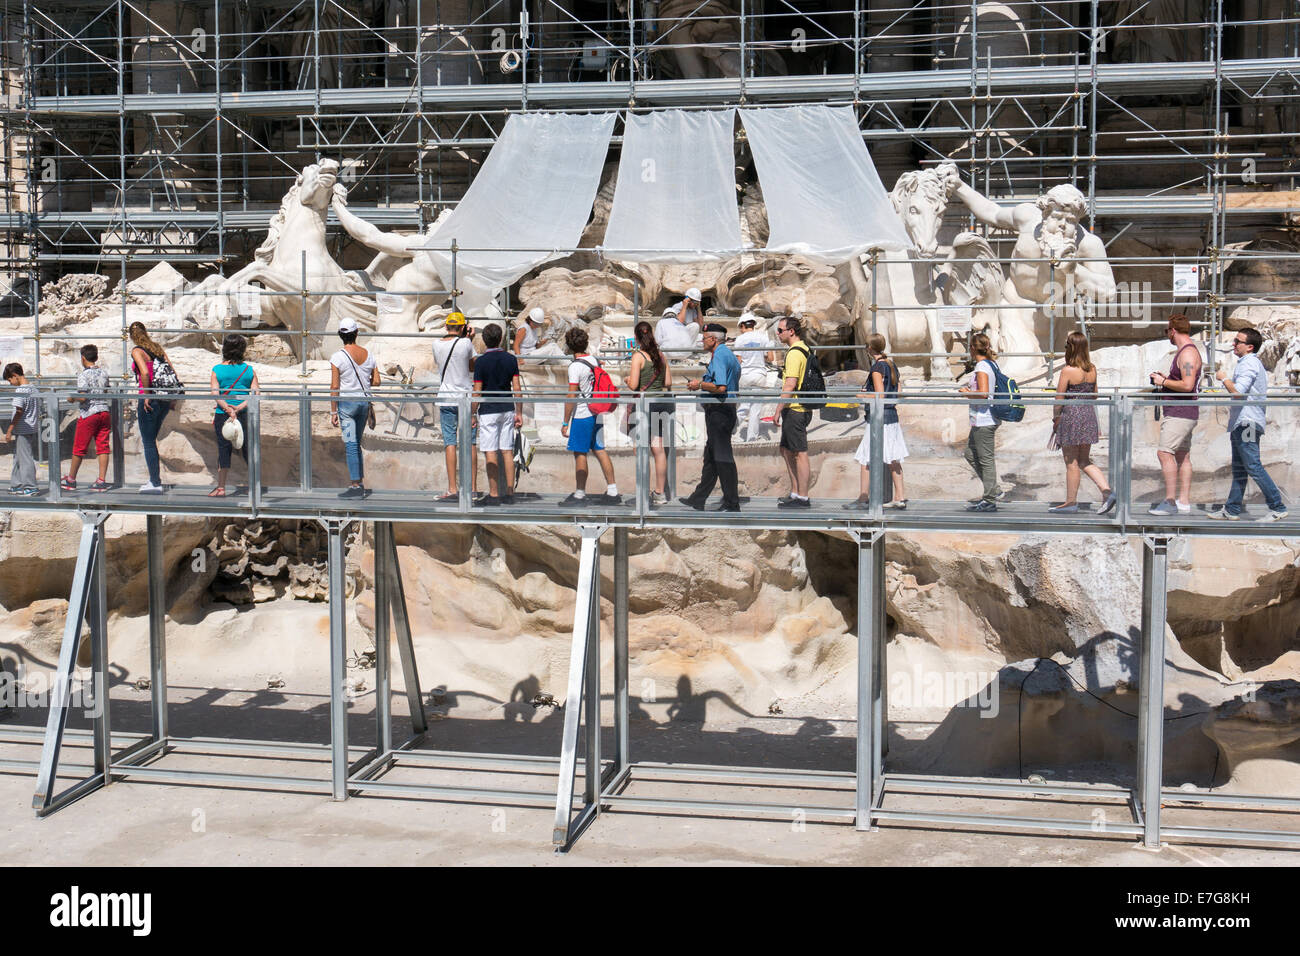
{"x": 675, "y": 200}
{"x": 534, "y": 192}
{"x": 824, "y": 197}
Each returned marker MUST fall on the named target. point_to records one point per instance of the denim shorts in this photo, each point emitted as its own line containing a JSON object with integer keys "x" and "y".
{"x": 448, "y": 417}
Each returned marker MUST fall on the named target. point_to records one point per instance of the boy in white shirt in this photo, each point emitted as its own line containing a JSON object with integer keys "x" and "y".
{"x": 583, "y": 429}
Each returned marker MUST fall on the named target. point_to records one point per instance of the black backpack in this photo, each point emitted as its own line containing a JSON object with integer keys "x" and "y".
{"x": 812, "y": 390}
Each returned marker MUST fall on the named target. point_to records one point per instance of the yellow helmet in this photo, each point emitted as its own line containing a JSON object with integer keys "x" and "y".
{"x": 456, "y": 318}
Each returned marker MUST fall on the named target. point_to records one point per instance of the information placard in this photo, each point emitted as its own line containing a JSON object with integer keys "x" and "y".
{"x": 247, "y": 301}
{"x": 955, "y": 319}
{"x": 1187, "y": 280}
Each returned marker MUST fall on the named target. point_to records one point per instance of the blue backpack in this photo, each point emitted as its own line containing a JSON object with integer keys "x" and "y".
{"x": 1007, "y": 406}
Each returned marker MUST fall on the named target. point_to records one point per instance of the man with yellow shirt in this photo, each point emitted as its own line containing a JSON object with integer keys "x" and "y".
{"x": 794, "y": 418}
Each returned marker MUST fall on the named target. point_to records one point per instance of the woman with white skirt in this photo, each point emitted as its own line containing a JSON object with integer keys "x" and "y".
{"x": 883, "y": 379}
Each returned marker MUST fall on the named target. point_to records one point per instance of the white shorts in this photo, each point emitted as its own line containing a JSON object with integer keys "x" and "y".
{"x": 496, "y": 431}
{"x": 895, "y": 448}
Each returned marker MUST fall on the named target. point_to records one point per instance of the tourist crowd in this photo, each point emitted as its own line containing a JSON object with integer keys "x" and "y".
{"x": 492, "y": 381}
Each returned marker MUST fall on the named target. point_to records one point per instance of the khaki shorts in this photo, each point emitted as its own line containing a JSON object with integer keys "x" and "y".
{"x": 1176, "y": 435}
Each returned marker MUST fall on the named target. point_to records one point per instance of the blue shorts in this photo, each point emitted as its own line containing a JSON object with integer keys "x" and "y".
{"x": 586, "y": 434}
{"x": 449, "y": 418}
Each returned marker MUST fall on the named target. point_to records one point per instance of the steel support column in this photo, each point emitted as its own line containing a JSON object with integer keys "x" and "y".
{"x": 386, "y": 548}
{"x": 338, "y": 659}
{"x": 87, "y": 596}
{"x": 383, "y": 676}
{"x": 872, "y": 719}
{"x": 1151, "y": 687}
{"x": 586, "y": 621}
{"x": 622, "y": 752}
{"x": 157, "y": 626}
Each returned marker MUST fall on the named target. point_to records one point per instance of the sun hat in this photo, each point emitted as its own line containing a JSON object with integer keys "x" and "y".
{"x": 233, "y": 432}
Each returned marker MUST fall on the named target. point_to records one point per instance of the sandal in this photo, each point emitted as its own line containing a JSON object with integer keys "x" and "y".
{"x": 217, "y": 492}
{"x": 449, "y": 496}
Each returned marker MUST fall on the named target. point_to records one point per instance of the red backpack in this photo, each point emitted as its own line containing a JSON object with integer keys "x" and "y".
{"x": 604, "y": 393}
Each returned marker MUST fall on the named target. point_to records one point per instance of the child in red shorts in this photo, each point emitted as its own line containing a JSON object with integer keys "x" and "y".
{"x": 93, "y": 422}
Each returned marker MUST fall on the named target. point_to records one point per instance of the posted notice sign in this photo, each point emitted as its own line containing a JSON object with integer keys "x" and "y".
{"x": 955, "y": 319}
{"x": 1187, "y": 280}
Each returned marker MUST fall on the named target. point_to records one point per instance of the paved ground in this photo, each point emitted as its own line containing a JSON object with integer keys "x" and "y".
{"x": 149, "y": 822}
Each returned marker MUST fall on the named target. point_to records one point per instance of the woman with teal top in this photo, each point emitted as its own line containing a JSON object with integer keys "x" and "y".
{"x": 232, "y": 381}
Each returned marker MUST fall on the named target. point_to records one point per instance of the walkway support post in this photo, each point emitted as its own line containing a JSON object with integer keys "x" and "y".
{"x": 622, "y": 752}
{"x": 87, "y": 598}
{"x": 584, "y": 667}
{"x": 338, "y": 658}
{"x": 157, "y": 627}
{"x": 872, "y": 716}
{"x": 1151, "y": 686}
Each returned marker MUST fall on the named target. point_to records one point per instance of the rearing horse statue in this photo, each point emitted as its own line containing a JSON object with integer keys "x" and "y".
{"x": 295, "y": 236}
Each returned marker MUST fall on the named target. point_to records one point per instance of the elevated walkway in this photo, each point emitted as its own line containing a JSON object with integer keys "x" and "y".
{"x": 607, "y": 781}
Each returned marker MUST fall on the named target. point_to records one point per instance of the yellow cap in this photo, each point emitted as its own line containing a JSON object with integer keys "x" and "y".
{"x": 456, "y": 318}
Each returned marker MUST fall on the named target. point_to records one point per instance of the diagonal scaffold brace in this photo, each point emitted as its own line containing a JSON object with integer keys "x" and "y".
{"x": 87, "y": 601}
{"x": 391, "y": 621}
{"x": 583, "y": 688}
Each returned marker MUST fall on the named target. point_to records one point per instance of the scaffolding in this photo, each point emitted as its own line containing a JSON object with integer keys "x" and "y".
{"x": 138, "y": 131}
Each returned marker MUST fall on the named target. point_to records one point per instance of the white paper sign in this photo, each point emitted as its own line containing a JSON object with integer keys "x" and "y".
{"x": 1187, "y": 280}
{"x": 248, "y": 302}
{"x": 955, "y": 319}
{"x": 11, "y": 346}
{"x": 388, "y": 303}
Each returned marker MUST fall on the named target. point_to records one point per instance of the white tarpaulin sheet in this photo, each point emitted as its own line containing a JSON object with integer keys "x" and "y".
{"x": 675, "y": 200}
{"x": 534, "y": 192}
{"x": 824, "y": 197}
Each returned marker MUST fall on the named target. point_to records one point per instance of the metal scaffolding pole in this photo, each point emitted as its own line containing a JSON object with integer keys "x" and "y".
{"x": 86, "y": 600}
{"x": 335, "y": 530}
{"x": 157, "y": 627}
{"x": 872, "y": 719}
{"x": 1151, "y": 699}
{"x": 585, "y": 648}
{"x": 622, "y": 703}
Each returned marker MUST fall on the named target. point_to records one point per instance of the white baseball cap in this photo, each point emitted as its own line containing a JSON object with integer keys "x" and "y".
{"x": 536, "y": 315}
{"x": 348, "y": 325}
{"x": 693, "y": 293}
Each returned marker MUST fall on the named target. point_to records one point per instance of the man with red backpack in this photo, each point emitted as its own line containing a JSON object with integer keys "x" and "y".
{"x": 588, "y": 385}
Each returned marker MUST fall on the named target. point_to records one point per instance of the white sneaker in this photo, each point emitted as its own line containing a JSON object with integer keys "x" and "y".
{"x": 1277, "y": 515}
{"x": 1183, "y": 509}
{"x": 149, "y": 488}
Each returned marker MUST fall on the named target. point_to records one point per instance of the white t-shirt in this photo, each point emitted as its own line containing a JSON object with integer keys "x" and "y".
{"x": 671, "y": 334}
{"x": 982, "y": 414}
{"x": 753, "y": 339}
{"x": 529, "y": 344}
{"x": 456, "y": 380}
{"x": 582, "y": 375}
{"x": 349, "y": 382}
